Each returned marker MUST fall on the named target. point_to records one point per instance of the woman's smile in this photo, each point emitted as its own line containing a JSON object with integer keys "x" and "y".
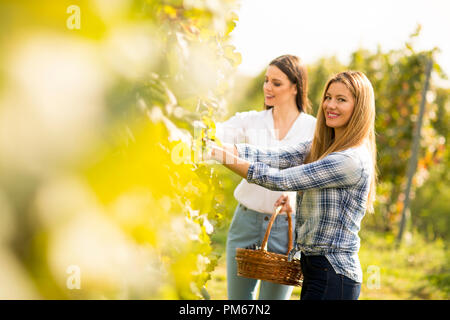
{"x": 268, "y": 97}
{"x": 332, "y": 115}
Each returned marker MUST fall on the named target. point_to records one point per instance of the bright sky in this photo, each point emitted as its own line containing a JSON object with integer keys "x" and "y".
{"x": 315, "y": 28}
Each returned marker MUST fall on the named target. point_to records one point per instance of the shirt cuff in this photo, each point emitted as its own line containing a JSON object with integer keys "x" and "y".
{"x": 255, "y": 173}
{"x": 250, "y": 171}
{"x": 241, "y": 148}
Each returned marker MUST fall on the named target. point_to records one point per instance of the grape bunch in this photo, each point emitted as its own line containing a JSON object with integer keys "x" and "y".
{"x": 204, "y": 131}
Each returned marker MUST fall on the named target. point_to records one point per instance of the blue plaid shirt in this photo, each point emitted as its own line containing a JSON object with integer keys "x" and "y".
{"x": 331, "y": 201}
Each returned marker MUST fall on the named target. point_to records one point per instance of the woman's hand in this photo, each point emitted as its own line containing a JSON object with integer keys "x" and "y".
{"x": 214, "y": 152}
{"x": 226, "y": 153}
{"x": 283, "y": 201}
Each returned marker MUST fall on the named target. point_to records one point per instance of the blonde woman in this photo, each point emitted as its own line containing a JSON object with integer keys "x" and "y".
{"x": 336, "y": 173}
{"x": 284, "y": 122}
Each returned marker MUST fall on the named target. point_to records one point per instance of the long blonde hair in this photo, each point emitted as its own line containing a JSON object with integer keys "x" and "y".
{"x": 359, "y": 130}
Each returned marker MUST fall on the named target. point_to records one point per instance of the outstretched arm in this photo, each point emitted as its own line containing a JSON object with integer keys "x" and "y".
{"x": 228, "y": 155}
{"x": 334, "y": 171}
{"x": 283, "y": 157}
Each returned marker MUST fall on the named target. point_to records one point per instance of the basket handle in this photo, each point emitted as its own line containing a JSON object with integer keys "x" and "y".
{"x": 269, "y": 227}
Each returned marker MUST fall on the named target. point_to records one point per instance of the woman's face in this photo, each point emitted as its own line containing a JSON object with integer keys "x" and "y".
{"x": 278, "y": 89}
{"x": 338, "y": 105}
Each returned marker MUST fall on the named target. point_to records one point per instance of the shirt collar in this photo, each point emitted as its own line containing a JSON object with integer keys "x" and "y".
{"x": 268, "y": 119}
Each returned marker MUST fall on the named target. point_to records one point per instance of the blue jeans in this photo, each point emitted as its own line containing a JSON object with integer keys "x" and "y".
{"x": 321, "y": 282}
{"x": 247, "y": 228}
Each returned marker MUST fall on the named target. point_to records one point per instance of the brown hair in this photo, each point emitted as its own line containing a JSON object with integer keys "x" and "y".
{"x": 294, "y": 68}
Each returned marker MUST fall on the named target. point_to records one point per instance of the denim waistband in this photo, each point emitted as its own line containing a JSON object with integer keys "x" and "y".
{"x": 280, "y": 214}
{"x": 315, "y": 251}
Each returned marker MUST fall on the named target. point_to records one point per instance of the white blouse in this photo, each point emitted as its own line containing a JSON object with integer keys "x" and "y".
{"x": 257, "y": 128}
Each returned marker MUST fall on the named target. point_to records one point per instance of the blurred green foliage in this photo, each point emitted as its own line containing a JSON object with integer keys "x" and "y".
{"x": 430, "y": 207}
{"x": 99, "y": 190}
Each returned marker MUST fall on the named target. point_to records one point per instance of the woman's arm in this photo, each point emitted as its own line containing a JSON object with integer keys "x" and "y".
{"x": 228, "y": 155}
{"x": 281, "y": 157}
{"x": 239, "y": 157}
{"x": 334, "y": 171}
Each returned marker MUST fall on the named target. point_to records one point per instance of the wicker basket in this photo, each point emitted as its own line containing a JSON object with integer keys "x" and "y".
{"x": 269, "y": 266}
